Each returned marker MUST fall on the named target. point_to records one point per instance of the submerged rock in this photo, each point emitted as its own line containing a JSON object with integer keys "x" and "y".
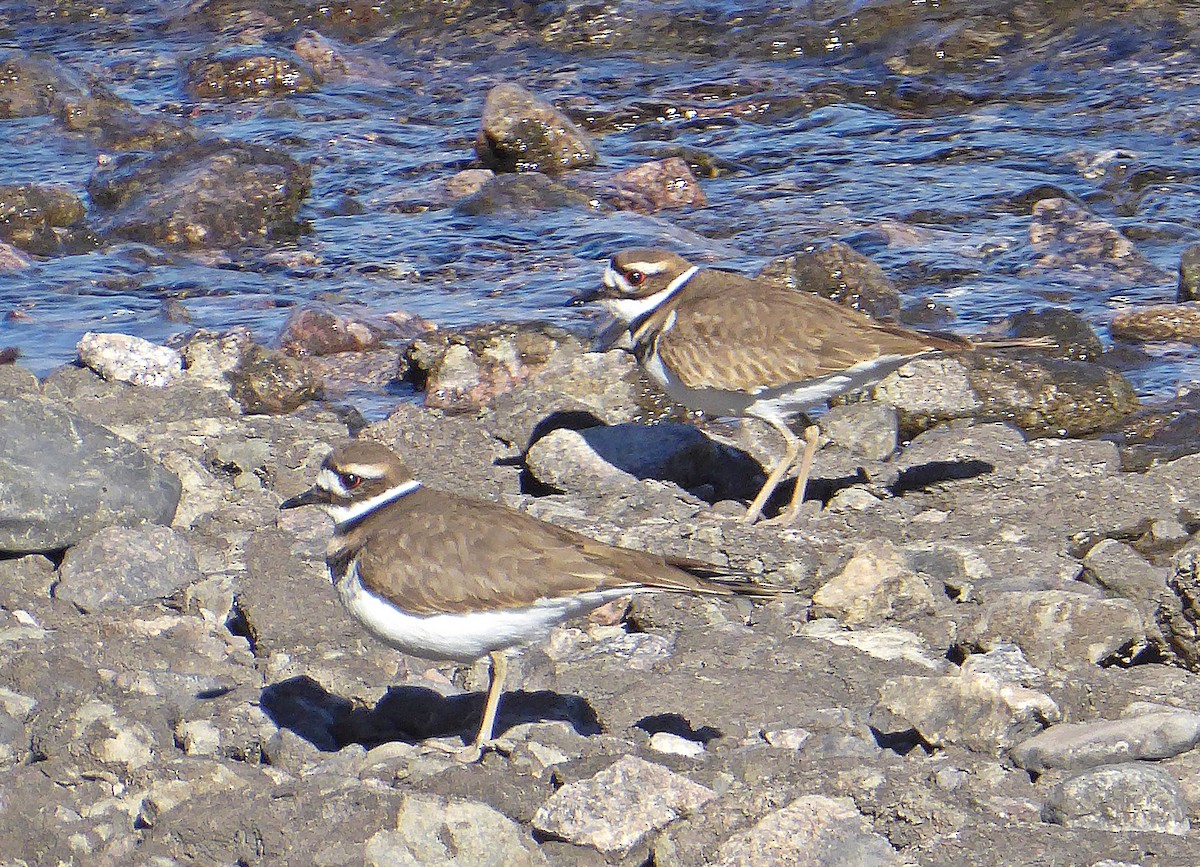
{"x": 43, "y": 220}
{"x": 205, "y": 194}
{"x": 249, "y": 71}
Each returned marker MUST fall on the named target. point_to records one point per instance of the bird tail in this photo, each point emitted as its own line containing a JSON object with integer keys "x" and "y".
{"x": 1044, "y": 342}
{"x": 722, "y": 581}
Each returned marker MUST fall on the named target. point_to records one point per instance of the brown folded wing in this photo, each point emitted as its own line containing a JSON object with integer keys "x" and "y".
{"x": 460, "y": 554}
{"x": 737, "y": 331}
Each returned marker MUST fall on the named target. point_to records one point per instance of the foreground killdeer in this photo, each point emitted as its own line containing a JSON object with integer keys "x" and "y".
{"x": 733, "y": 346}
{"x": 445, "y": 577}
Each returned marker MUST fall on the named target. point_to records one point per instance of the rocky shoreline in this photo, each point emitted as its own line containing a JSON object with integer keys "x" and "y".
{"x": 987, "y": 657}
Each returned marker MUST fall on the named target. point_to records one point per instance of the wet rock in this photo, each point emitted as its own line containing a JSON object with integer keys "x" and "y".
{"x": 323, "y": 329}
{"x": 514, "y": 195}
{"x": 43, "y": 220}
{"x": 867, "y": 429}
{"x": 814, "y": 831}
{"x": 614, "y": 810}
{"x": 1072, "y": 746}
{"x": 1076, "y": 339}
{"x": 1057, "y": 629}
{"x": 1189, "y": 275}
{"x": 1163, "y": 433}
{"x": 614, "y": 456}
{"x": 34, "y": 84}
{"x": 1068, "y": 238}
{"x": 451, "y": 833}
{"x": 1159, "y": 323}
{"x": 463, "y": 369}
{"x": 840, "y": 273}
{"x": 62, "y": 477}
{"x": 655, "y": 186}
{"x": 1050, "y": 396}
{"x": 442, "y": 192}
{"x": 876, "y": 585}
{"x": 205, "y": 194}
{"x": 210, "y": 356}
{"x": 334, "y": 61}
{"x": 267, "y": 381}
{"x": 521, "y": 132}
{"x": 124, "y": 358}
{"x": 120, "y": 566}
{"x": 1128, "y": 797}
{"x": 249, "y": 71}
{"x": 12, "y": 259}
{"x": 972, "y": 709}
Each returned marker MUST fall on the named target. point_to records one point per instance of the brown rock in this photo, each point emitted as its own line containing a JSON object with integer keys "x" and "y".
{"x": 655, "y": 186}
{"x": 522, "y": 132}
{"x": 840, "y": 273}
{"x": 1159, "y": 322}
{"x": 267, "y": 381}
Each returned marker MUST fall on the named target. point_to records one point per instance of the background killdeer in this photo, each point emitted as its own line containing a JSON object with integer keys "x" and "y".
{"x": 445, "y": 577}
{"x": 733, "y": 346}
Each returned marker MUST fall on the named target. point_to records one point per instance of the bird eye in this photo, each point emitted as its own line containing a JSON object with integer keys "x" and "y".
{"x": 350, "y": 481}
{"x": 635, "y": 278}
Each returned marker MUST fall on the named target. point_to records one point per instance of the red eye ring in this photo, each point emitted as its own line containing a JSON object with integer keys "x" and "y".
{"x": 350, "y": 481}
{"x": 635, "y": 278}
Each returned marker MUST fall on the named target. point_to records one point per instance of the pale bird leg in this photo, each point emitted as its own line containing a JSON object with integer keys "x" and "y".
{"x": 810, "y": 450}
{"x": 483, "y": 740}
{"x": 785, "y": 463}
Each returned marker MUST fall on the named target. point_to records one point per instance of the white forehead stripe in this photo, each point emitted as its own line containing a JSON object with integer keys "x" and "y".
{"x": 648, "y": 268}
{"x": 365, "y": 471}
{"x": 328, "y": 480}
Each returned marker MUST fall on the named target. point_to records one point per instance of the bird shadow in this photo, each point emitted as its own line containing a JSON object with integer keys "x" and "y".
{"x": 922, "y": 476}
{"x": 410, "y": 713}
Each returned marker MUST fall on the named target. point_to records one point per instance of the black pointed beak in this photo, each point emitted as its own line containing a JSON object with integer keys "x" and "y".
{"x": 587, "y": 296}
{"x": 312, "y": 497}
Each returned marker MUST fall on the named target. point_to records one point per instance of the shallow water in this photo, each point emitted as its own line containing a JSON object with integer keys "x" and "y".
{"x": 919, "y": 137}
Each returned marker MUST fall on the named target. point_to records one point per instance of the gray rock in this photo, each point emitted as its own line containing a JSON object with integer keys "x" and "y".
{"x": 928, "y": 391}
{"x": 876, "y": 585}
{"x": 978, "y": 711}
{"x": 124, "y": 358}
{"x": 439, "y": 832}
{"x": 120, "y": 566}
{"x": 62, "y": 477}
{"x": 617, "y": 808}
{"x": 1056, "y": 629}
{"x": 1127, "y": 797}
{"x": 811, "y": 831}
{"x": 609, "y": 456}
{"x": 868, "y": 429}
{"x": 1071, "y": 746}
{"x": 521, "y": 132}
{"x": 16, "y": 380}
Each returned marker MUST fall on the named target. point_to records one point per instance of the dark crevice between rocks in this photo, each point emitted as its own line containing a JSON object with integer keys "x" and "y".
{"x": 1126, "y": 658}
{"x": 410, "y": 714}
{"x": 922, "y": 476}
{"x": 957, "y": 654}
{"x": 675, "y": 724}
{"x": 902, "y": 742}
{"x": 238, "y": 624}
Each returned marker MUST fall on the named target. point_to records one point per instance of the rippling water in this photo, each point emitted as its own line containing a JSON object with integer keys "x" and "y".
{"x": 919, "y": 136}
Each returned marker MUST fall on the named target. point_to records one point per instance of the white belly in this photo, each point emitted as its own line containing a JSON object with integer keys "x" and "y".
{"x": 462, "y": 637}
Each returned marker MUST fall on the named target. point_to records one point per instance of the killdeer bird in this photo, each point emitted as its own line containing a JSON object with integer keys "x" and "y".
{"x": 445, "y": 577}
{"x": 734, "y": 346}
